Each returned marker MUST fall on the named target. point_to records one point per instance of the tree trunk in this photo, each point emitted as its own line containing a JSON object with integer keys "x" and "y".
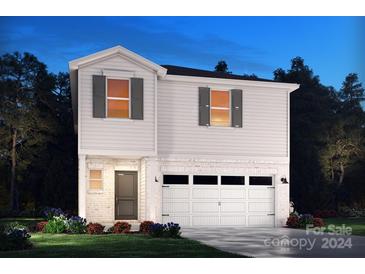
{"x": 14, "y": 205}
{"x": 342, "y": 174}
{"x": 332, "y": 172}
{"x": 338, "y": 186}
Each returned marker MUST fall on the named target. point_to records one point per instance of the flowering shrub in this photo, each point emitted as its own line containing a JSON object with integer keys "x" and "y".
{"x": 76, "y": 225}
{"x": 305, "y": 219}
{"x": 325, "y": 214}
{"x": 301, "y": 221}
{"x": 14, "y": 239}
{"x": 50, "y": 212}
{"x": 13, "y": 225}
{"x": 58, "y": 224}
{"x": 145, "y": 227}
{"x": 293, "y": 221}
{"x": 157, "y": 230}
{"x": 346, "y": 211}
{"x": 95, "y": 228}
{"x": 41, "y": 226}
{"x": 121, "y": 227}
{"x": 318, "y": 222}
{"x": 172, "y": 230}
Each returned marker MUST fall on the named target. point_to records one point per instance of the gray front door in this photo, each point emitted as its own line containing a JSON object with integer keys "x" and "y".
{"x": 126, "y": 188}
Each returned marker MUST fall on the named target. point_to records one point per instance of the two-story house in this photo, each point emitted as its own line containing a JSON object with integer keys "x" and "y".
{"x": 168, "y": 143}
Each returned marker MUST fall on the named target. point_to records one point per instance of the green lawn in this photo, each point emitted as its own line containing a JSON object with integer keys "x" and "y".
{"x": 357, "y": 224}
{"x": 111, "y": 245}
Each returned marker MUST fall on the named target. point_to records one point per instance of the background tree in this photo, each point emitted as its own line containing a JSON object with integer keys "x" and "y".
{"x": 222, "y": 67}
{"x": 250, "y": 76}
{"x": 23, "y": 83}
{"x": 312, "y": 109}
{"x": 326, "y": 137}
{"x": 37, "y": 141}
{"x": 341, "y": 150}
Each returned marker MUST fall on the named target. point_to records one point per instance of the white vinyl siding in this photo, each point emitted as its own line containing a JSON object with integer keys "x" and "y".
{"x": 111, "y": 134}
{"x": 264, "y": 130}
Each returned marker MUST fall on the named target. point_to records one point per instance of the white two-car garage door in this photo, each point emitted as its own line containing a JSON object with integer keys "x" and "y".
{"x": 201, "y": 200}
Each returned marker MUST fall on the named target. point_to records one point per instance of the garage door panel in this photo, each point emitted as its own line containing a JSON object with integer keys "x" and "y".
{"x": 175, "y": 193}
{"x": 175, "y": 207}
{"x": 233, "y": 207}
{"x": 261, "y": 220}
{"x": 234, "y": 220}
{"x": 182, "y": 220}
{"x": 261, "y": 193}
{"x": 211, "y": 207}
{"x": 233, "y": 193}
{"x": 205, "y": 220}
{"x": 219, "y": 205}
{"x": 260, "y": 207}
{"x": 205, "y": 193}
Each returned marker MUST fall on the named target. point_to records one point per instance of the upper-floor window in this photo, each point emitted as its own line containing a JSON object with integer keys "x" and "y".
{"x": 220, "y": 108}
{"x": 118, "y": 98}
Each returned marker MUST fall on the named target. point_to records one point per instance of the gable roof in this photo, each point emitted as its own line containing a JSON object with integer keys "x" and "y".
{"x": 74, "y": 64}
{"x": 185, "y": 71}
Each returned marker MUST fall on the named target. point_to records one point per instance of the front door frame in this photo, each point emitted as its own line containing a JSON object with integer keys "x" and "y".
{"x": 127, "y": 172}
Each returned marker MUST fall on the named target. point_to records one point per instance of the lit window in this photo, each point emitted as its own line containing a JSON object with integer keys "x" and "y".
{"x": 95, "y": 180}
{"x": 118, "y": 98}
{"x": 220, "y": 110}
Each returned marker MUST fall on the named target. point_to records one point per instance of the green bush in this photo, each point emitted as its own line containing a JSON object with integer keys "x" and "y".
{"x": 14, "y": 238}
{"x": 76, "y": 225}
{"x": 57, "y": 224}
{"x": 345, "y": 211}
{"x": 305, "y": 219}
{"x": 170, "y": 230}
{"x": 157, "y": 230}
{"x": 13, "y": 225}
{"x": 173, "y": 230}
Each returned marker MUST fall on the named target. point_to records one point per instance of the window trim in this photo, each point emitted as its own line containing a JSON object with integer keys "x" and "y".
{"x": 118, "y": 98}
{"x": 90, "y": 190}
{"x": 220, "y": 108}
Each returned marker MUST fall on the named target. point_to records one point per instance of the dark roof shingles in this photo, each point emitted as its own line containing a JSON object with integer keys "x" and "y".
{"x": 184, "y": 71}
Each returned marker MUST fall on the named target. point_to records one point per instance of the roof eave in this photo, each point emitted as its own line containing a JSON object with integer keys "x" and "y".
{"x": 290, "y": 87}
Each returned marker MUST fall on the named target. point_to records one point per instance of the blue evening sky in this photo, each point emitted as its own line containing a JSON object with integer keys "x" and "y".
{"x": 331, "y": 46}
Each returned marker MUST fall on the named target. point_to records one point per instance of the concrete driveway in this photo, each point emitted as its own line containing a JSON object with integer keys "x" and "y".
{"x": 278, "y": 242}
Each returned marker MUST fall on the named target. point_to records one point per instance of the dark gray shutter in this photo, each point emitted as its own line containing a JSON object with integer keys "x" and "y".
{"x": 236, "y": 107}
{"x": 204, "y": 106}
{"x": 99, "y": 96}
{"x": 137, "y": 98}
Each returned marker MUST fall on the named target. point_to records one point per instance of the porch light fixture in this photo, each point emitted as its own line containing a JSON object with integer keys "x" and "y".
{"x": 283, "y": 180}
